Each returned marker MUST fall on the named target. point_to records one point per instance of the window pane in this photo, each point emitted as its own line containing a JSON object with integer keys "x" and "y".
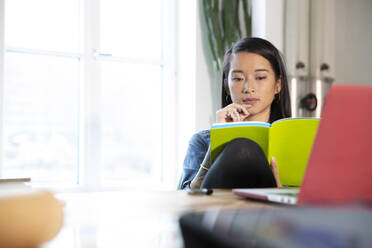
{"x": 42, "y": 24}
{"x": 131, "y": 123}
{"x": 132, "y": 28}
{"x": 41, "y": 117}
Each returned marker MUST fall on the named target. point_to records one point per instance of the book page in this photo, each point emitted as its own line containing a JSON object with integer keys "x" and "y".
{"x": 291, "y": 141}
{"x": 222, "y": 134}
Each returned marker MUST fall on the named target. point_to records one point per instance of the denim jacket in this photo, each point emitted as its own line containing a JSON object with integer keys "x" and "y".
{"x": 198, "y": 146}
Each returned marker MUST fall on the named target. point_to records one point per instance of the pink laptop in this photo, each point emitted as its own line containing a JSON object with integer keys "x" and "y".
{"x": 339, "y": 169}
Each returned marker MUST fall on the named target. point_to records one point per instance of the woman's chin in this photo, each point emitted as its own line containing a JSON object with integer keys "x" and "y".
{"x": 248, "y": 106}
{"x": 251, "y": 117}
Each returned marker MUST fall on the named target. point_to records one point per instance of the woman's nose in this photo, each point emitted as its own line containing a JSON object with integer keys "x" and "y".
{"x": 247, "y": 87}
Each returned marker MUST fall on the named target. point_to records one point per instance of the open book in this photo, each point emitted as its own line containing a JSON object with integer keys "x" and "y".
{"x": 288, "y": 140}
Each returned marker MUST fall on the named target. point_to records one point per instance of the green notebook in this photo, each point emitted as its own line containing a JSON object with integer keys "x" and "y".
{"x": 289, "y": 140}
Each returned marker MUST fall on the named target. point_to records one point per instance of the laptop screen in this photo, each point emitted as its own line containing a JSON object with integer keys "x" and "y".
{"x": 340, "y": 165}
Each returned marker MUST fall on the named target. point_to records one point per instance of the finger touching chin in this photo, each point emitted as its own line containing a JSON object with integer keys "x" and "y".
{"x": 248, "y": 106}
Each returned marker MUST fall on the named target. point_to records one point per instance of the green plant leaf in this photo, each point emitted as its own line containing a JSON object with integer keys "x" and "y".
{"x": 247, "y": 18}
{"x": 223, "y": 25}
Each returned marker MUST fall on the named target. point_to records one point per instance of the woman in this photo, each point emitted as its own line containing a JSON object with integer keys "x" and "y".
{"x": 254, "y": 88}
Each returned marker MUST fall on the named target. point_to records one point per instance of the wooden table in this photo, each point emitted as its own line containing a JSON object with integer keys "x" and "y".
{"x": 135, "y": 218}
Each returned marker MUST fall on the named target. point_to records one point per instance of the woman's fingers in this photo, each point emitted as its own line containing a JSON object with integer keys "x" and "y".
{"x": 232, "y": 113}
{"x": 221, "y": 116}
{"x": 240, "y": 113}
{"x": 243, "y": 110}
{"x": 274, "y": 168}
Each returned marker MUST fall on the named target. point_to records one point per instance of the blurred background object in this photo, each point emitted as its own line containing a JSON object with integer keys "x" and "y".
{"x": 309, "y": 51}
{"x": 28, "y": 217}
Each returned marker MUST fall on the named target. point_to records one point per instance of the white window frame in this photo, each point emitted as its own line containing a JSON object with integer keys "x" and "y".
{"x": 175, "y": 103}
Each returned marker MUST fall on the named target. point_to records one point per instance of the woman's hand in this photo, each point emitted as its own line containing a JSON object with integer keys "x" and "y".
{"x": 232, "y": 113}
{"x": 274, "y": 168}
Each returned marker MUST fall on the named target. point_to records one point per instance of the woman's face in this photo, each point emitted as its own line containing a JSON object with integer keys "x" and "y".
{"x": 252, "y": 84}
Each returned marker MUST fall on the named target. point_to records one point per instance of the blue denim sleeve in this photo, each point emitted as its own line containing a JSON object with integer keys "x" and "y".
{"x": 196, "y": 151}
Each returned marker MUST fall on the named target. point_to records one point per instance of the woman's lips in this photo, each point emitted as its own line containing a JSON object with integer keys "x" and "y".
{"x": 250, "y": 101}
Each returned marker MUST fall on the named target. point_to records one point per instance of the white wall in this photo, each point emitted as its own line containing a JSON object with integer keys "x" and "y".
{"x": 186, "y": 69}
{"x": 353, "y": 57}
{"x": 207, "y": 79}
{"x": 268, "y": 21}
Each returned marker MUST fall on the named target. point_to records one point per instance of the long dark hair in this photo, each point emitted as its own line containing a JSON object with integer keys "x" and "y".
{"x": 281, "y": 105}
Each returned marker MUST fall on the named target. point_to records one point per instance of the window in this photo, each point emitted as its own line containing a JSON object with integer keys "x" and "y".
{"x": 41, "y": 90}
{"x": 132, "y": 84}
{"x": 87, "y": 90}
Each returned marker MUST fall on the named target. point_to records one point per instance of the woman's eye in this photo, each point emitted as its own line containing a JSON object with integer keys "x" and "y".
{"x": 237, "y": 79}
{"x": 261, "y": 78}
